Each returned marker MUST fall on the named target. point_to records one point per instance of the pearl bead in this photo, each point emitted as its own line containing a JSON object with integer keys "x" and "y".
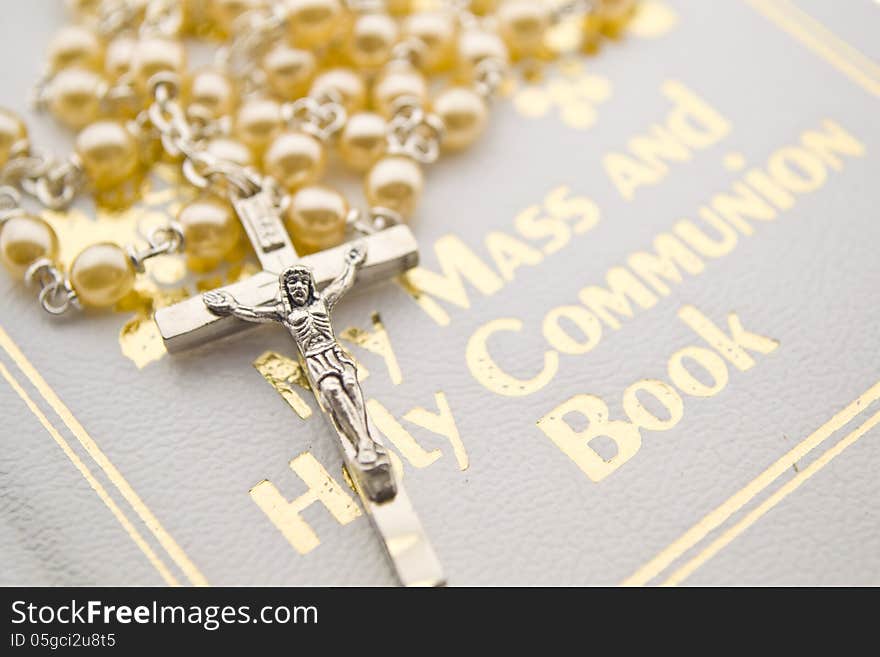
{"x": 295, "y": 159}
{"x": 399, "y": 7}
{"x": 289, "y": 71}
{"x": 614, "y": 14}
{"x": 482, "y": 7}
{"x": 230, "y": 150}
{"x": 372, "y": 38}
{"x": 224, "y": 12}
{"x": 398, "y": 82}
{"x": 464, "y": 113}
{"x": 436, "y": 31}
{"x": 316, "y": 219}
{"x": 210, "y": 228}
{"x": 84, "y": 8}
{"x": 313, "y": 22}
{"x": 211, "y": 93}
{"x": 346, "y": 83}
{"x": 119, "y": 57}
{"x": 75, "y": 46}
{"x": 363, "y": 140}
{"x": 476, "y": 45}
{"x": 257, "y": 123}
{"x": 13, "y": 134}
{"x": 75, "y": 96}
{"x": 108, "y": 153}
{"x": 23, "y": 241}
{"x": 102, "y": 275}
{"x": 395, "y": 182}
{"x": 157, "y": 55}
{"x": 522, "y": 24}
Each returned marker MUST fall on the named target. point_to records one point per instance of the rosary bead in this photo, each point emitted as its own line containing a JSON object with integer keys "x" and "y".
{"x": 295, "y": 159}
{"x": 614, "y": 14}
{"x": 231, "y": 151}
{"x": 522, "y": 24}
{"x": 75, "y": 96}
{"x": 257, "y": 122}
{"x": 224, "y": 12}
{"x": 373, "y": 36}
{"x": 156, "y": 55}
{"x": 108, "y": 153}
{"x": 482, "y": 7}
{"x": 119, "y": 57}
{"x": 436, "y": 31}
{"x": 13, "y": 134}
{"x": 212, "y": 93}
{"x": 399, "y": 7}
{"x": 464, "y": 113}
{"x": 348, "y": 84}
{"x": 316, "y": 219}
{"x": 476, "y": 45}
{"x": 363, "y": 140}
{"x": 210, "y": 228}
{"x": 288, "y": 71}
{"x": 24, "y": 240}
{"x": 313, "y": 22}
{"x": 395, "y": 182}
{"x": 102, "y": 274}
{"x": 397, "y": 82}
{"x": 75, "y": 45}
{"x": 84, "y": 8}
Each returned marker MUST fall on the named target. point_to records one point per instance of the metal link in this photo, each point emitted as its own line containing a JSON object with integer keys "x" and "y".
{"x": 488, "y": 77}
{"x": 56, "y": 294}
{"x": 55, "y": 183}
{"x": 379, "y": 219}
{"x": 322, "y": 116}
{"x": 254, "y": 32}
{"x": 414, "y": 132}
{"x": 163, "y": 240}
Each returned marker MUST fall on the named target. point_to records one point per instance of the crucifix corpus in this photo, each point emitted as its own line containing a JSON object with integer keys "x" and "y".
{"x": 300, "y": 293}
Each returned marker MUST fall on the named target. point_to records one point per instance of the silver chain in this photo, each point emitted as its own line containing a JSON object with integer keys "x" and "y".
{"x": 321, "y": 116}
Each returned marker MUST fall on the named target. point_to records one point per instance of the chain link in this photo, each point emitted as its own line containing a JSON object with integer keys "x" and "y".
{"x": 413, "y": 132}
{"x": 56, "y": 294}
{"x": 162, "y": 240}
{"x": 322, "y": 116}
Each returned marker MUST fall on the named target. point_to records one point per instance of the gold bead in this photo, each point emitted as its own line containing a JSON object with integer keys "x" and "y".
{"x": 363, "y": 140}
{"x": 13, "y": 134}
{"x": 436, "y": 31}
{"x": 156, "y": 55}
{"x": 119, "y": 58}
{"x": 75, "y": 96}
{"x": 399, "y": 7}
{"x": 313, "y": 22}
{"x": 210, "y": 228}
{"x": 224, "y": 12}
{"x": 108, "y": 153}
{"x": 316, "y": 219}
{"x": 257, "y": 122}
{"x": 348, "y": 84}
{"x": 102, "y": 274}
{"x": 476, "y": 45}
{"x": 230, "y": 150}
{"x": 75, "y": 45}
{"x": 522, "y": 24}
{"x": 294, "y": 159}
{"x": 211, "y": 93}
{"x": 24, "y": 240}
{"x": 83, "y": 9}
{"x": 464, "y": 113}
{"x": 373, "y": 36}
{"x": 395, "y": 182}
{"x": 396, "y": 82}
{"x": 289, "y": 71}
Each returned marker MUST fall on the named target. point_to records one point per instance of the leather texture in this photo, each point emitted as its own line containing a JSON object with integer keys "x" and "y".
{"x": 192, "y": 433}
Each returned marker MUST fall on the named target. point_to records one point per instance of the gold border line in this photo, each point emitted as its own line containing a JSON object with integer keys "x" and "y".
{"x": 90, "y": 478}
{"x": 753, "y": 516}
{"x": 137, "y": 504}
{"x": 737, "y": 501}
{"x": 818, "y": 38}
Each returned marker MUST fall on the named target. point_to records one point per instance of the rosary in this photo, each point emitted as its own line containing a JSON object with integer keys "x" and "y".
{"x": 290, "y": 80}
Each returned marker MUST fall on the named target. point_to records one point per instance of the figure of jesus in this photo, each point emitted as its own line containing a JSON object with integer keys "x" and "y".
{"x": 305, "y": 313}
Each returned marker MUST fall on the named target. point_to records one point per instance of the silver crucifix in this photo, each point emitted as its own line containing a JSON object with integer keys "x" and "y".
{"x": 299, "y": 293}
